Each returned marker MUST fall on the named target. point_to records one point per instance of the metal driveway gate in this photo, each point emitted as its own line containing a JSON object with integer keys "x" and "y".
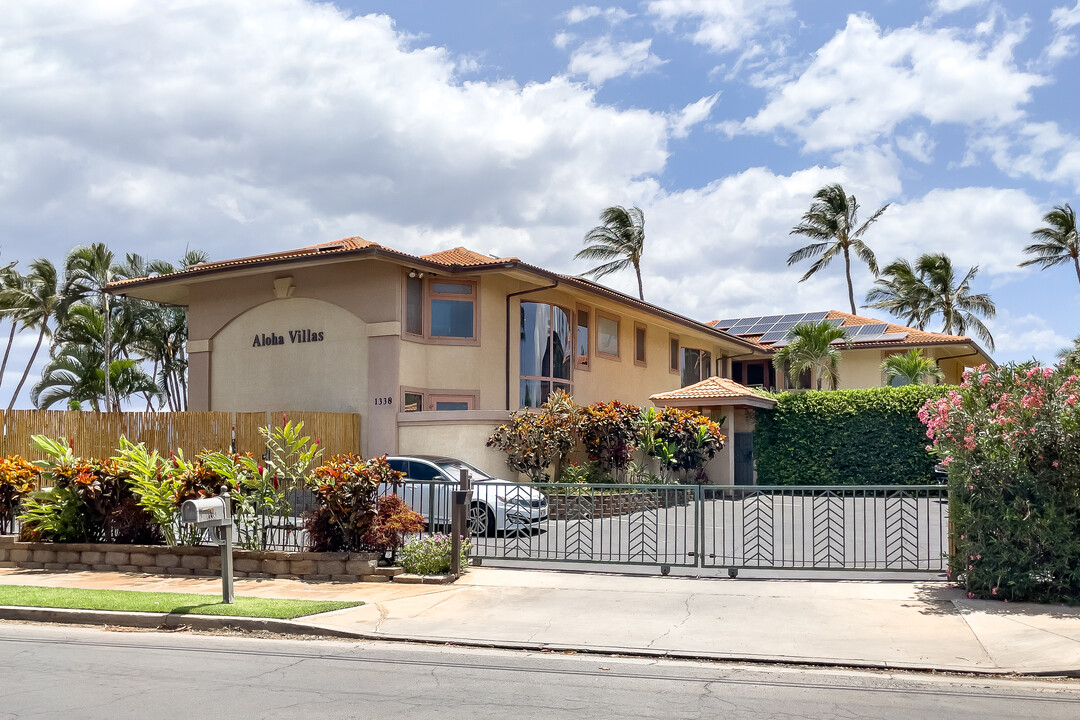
{"x": 852, "y": 527}
{"x": 863, "y": 528}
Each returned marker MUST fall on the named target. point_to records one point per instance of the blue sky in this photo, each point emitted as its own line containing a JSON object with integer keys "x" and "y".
{"x": 243, "y": 127}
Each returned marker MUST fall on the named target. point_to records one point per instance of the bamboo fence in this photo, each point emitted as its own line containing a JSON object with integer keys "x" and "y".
{"x": 97, "y": 435}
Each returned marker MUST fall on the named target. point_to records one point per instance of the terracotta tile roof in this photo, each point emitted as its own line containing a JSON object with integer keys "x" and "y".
{"x": 713, "y": 388}
{"x": 914, "y": 337}
{"x": 348, "y": 244}
{"x": 465, "y": 257}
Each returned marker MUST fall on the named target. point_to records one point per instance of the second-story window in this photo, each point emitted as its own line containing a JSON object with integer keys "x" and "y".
{"x": 440, "y": 309}
{"x": 546, "y": 351}
{"x": 696, "y": 365}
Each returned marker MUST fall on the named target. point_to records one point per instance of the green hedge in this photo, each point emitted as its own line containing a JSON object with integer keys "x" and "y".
{"x": 846, "y": 437}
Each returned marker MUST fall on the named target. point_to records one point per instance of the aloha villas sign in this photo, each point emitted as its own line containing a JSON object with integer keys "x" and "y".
{"x": 295, "y": 336}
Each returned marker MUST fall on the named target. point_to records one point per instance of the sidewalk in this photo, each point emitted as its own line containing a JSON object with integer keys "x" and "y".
{"x": 885, "y": 624}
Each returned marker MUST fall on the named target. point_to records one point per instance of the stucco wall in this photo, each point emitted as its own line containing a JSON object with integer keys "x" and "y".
{"x": 465, "y": 440}
{"x": 859, "y": 369}
{"x": 328, "y": 374}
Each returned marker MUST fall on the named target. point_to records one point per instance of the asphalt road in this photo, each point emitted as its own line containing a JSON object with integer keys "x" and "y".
{"x": 56, "y": 671}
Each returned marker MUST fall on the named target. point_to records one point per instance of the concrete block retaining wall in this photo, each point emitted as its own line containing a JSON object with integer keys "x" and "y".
{"x": 186, "y": 560}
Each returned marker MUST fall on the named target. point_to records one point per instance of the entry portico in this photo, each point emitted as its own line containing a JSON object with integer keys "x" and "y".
{"x": 722, "y": 397}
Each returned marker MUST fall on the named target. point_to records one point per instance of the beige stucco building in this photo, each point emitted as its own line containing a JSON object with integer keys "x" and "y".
{"x": 432, "y": 351}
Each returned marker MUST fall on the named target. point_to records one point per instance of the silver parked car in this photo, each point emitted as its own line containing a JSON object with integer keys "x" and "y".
{"x": 497, "y": 505}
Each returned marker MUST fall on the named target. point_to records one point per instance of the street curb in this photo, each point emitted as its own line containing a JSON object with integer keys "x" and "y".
{"x": 163, "y": 621}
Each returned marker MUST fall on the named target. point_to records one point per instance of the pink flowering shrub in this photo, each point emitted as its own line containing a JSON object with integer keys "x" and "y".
{"x": 1009, "y": 439}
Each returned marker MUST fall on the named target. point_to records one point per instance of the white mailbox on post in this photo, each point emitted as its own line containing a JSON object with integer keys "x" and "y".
{"x": 215, "y": 514}
{"x": 206, "y": 512}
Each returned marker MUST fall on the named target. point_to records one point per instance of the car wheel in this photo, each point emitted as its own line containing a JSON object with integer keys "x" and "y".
{"x": 481, "y": 520}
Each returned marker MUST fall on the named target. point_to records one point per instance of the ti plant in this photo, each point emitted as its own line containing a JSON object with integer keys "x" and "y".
{"x": 153, "y": 482}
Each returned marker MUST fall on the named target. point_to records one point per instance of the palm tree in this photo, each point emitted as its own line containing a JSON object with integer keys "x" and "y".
{"x": 75, "y": 370}
{"x": 911, "y": 368}
{"x": 811, "y": 346}
{"x": 1071, "y": 354}
{"x": 36, "y": 301}
{"x": 74, "y": 375}
{"x": 10, "y": 279}
{"x": 88, "y": 269}
{"x": 899, "y": 291}
{"x": 832, "y": 223}
{"x": 1059, "y": 241}
{"x": 921, "y": 292}
{"x": 159, "y": 332}
{"x": 618, "y": 243}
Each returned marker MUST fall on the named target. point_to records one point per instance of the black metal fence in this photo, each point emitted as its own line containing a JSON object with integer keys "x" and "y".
{"x": 857, "y": 528}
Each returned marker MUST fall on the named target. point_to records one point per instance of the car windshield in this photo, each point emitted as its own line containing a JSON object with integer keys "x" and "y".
{"x": 453, "y": 469}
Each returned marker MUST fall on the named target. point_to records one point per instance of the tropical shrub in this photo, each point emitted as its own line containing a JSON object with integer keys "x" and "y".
{"x": 151, "y": 480}
{"x": 432, "y": 555}
{"x": 533, "y": 441}
{"x": 90, "y": 501}
{"x": 609, "y": 434}
{"x": 682, "y": 440}
{"x": 18, "y": 478}
{"x": 1010, "y": 439}
{"x": 346, "y": 488}
{"x": 260, "y": 487}
{"x": 393, "y": 521}
{"x": 845, "y": 437}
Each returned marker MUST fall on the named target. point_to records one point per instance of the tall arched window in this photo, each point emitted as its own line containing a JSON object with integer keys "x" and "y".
{"x": 547, "y": 352}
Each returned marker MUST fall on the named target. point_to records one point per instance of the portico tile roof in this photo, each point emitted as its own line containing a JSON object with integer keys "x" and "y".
{"x": 713, "y": 388}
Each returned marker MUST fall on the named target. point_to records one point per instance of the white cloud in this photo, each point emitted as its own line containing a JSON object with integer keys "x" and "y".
{"x": 918, "y": 145}
{"x": 581, "y": 13}
{"x": 1026, "y": 337}
{"x": 1065, "y": 17}
{"x": 1038, "y": 150}
{"x": 158, "y": 125}
{"x": 951, "y": 6}
{"x": 864, "y": 82}
{"x": 691, "y": 115}
{"x": 722, "y": 25}
{"x": 981, "y": 226}
{"x": 601, "y": 60}
{"x": 1062, "y": 44}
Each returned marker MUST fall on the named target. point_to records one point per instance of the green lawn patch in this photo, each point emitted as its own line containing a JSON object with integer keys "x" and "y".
{"x": 163, "y": 602}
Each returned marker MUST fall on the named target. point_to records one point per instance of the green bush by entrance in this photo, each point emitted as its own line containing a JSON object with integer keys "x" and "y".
{"x": 846, "y": 437}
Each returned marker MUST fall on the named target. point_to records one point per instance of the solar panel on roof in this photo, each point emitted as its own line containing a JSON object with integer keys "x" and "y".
{"x": 815, "y": 316}
{"x": 772, "y": 318}
{"x": 773, "y": 336}
{"x": 724, "y": 324}
{"x": 761, "y": 327}
{"x": 861, "y": 331}
{"x": 835, "y": 322}
{"x": 893, "y": 336}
